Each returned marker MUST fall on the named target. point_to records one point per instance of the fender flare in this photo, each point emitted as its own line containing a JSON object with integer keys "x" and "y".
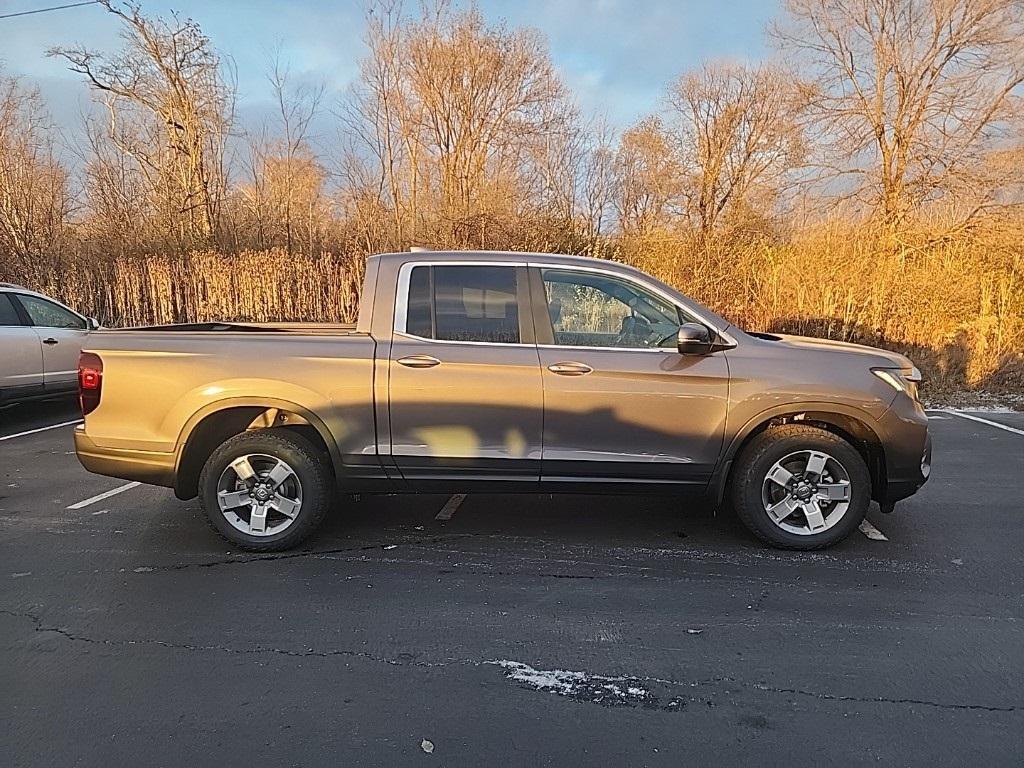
{"x": 815, "y": 410}
{"x": 256, "y": 401}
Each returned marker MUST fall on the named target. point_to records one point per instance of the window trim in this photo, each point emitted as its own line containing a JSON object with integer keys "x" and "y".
{"x": 535, "y": 306}
{"x": 538, "y": 268}
{"x": 398, "y": 328}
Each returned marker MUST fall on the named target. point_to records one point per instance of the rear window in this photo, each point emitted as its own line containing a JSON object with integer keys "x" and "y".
{"x": 464, "y": 303}
{"x": 8, "y": 315}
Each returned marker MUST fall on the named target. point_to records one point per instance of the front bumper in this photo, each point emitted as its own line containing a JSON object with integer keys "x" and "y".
{"x": 148, "y": 467}
{"x": 908, "y": 450}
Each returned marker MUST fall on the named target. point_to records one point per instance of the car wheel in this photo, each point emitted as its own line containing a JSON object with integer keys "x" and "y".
{"x": 266, "y": 490}
{"x": 800, "y": 487}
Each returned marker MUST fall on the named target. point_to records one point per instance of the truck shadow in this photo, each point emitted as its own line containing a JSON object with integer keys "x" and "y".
{"x": 569, "y": 522}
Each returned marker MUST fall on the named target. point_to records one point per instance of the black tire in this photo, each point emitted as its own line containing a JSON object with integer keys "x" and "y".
{"x": 309, "y": 467}
{"x": 772, "y": 445}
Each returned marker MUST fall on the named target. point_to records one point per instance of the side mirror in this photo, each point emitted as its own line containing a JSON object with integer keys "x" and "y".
{"x": 92, "y": 324}
{"x": 694, "y": 339}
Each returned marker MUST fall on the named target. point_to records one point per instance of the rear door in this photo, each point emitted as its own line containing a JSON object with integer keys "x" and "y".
{"x": 61, "y": 333}
{"x": 464, "y": 377}
{"x": 621, "y": 405}
{"x": 21, "y": 355}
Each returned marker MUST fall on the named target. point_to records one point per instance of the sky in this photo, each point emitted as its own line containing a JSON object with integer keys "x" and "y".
{"x": 617, "y": 56}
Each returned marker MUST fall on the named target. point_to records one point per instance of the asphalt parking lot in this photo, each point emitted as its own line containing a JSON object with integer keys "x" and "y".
{"x": 518, "y": 631}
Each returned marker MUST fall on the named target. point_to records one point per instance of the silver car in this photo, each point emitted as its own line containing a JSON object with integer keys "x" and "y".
{"x": 40, "y": 340}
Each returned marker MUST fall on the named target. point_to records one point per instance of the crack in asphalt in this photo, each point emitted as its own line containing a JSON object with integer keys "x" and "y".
{"x": 400, "y": 660}
{"x": 316, "y": 554}
{"x": 880, "y": 699}
{"x": 587, "y": 692}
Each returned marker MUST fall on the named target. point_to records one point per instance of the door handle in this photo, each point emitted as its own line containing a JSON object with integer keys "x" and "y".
{"x": 418, "y": 361}
{"x": 570, "y": 369}
{"x": 51, "y": 341}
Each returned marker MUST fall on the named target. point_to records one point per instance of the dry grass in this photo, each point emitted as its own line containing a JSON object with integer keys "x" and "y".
{"x": 257, "y": 286}
{"x": 956, "y": 307}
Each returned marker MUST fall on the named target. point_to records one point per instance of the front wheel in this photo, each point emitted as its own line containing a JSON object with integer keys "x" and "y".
{"x": 800, "y": 487}
{"x": 266, "y": 490}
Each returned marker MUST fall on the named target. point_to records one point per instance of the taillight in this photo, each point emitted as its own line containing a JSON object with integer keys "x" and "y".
{"x": 90, "y": 381}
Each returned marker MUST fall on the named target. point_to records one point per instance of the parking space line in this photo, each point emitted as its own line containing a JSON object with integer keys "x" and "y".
{"x": 40, "y": 429}
{"x": 870, "y": 531}
{"x": 980, "y": 420}
{"x": 450, "y": 506}
{"x": 102, "y": 496}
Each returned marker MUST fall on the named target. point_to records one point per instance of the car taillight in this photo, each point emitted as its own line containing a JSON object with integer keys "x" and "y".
{"x": 90, "y": 381}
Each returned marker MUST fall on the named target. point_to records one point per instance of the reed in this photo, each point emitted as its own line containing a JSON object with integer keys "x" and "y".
{"x": 955, "y": 306}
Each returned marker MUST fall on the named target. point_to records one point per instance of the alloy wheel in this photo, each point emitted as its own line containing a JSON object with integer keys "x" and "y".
{"x": 260, "y": 495}
{"x": 806, "y": 492}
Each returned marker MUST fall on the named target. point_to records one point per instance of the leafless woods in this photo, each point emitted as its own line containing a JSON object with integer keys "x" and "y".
{"x": 886, "y": 141}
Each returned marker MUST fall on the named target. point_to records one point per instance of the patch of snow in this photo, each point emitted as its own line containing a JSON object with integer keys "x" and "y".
{"x": 566, "y": 682}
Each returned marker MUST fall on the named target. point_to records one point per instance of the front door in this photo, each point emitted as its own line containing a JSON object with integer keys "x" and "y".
{"x": 464, "y": 377}
{"x": 621, "y": 405}
{"x": 61, "y": 333}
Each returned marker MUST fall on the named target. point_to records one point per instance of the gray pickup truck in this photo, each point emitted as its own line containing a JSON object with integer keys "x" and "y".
{"x": 498, "y": 372}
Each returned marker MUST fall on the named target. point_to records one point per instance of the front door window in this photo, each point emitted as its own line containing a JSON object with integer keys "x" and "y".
{"x": 589, "y": 309}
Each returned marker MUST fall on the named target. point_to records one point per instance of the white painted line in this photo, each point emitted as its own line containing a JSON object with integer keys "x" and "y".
{"x": 980, "y": 420}
{"x": 450, "y": 506}
{"x": 106, "y": 495}
{"x": 40, "y": 429}
{"x": 871, "y": 532}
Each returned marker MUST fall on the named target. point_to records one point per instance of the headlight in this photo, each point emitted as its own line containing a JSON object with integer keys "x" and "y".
{"x": 900, "y": 379}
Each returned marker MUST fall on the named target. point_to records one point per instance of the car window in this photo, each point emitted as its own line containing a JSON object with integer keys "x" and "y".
{"x": 588, "y": 309}
{"x": 49, "y": 315}
{"x": 464, "y": 303}
{"x": 8, "y": 314}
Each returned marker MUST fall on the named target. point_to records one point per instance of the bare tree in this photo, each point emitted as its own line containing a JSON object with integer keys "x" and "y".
{"x": 457, "y": 118}
{"x": 34, "y": 195}
{"x": 170, "y": 110}
{"x": 487, "y": 94}
{"x": 736, "y": 136}
{"x": 117, "y": 198}
{"x": 910, "y": 95}
{"x": 286, "y": 196}
{"x": 649, "y": 177}
{"x": 598, "y": 182}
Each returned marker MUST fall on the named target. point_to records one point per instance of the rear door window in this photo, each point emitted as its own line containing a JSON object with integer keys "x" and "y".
{"x": 464, "y": 303}
{"x": 8, "y": 314}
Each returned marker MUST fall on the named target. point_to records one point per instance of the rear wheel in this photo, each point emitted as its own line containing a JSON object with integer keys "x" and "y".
{"x": 266, "y": 490}
{"x": 800, "y": 487}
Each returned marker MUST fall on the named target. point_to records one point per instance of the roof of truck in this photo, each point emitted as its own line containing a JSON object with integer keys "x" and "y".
{"x": 447, "y": 255}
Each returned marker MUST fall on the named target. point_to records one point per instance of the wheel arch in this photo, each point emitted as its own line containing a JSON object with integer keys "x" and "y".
{"x": 216, "y": 422}
{"x": 851, "y": 425}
